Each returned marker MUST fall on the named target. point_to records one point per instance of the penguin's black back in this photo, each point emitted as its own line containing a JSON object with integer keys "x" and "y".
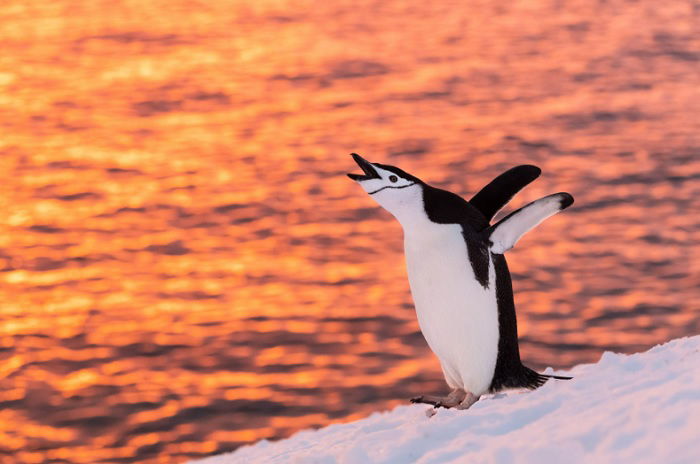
{"x": 509, "y": 372}
{"x": 443, "y": 207}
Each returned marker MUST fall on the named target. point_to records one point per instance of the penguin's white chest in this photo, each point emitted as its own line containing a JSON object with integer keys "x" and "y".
{"x": 457, "y": 315}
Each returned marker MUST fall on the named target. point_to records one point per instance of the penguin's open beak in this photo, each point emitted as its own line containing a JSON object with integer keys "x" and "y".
{"x": 367, "y": 168}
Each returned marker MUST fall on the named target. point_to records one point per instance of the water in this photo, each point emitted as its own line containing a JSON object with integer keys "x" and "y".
{"x": 186, "y": 268}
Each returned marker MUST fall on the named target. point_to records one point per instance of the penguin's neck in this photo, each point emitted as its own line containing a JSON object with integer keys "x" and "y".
{"x": 407, "y": 208}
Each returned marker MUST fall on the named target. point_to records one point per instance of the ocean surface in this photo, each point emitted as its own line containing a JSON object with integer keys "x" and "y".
{"x": 185, "y": 268}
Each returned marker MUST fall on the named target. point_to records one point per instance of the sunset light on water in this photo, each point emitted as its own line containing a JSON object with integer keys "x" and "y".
{"x": 185, "y": 268}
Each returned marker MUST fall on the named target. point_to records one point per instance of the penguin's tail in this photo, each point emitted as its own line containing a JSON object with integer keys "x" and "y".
{"x": 558, "y": 377}
{"x": 521, "y": 377}
{"x": 536, "y": 380}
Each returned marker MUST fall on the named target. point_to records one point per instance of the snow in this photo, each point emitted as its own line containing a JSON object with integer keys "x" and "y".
{"x": 640, "y": 408}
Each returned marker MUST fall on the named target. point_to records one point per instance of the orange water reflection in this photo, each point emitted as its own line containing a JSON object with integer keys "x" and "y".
{"x": 185, "y": 267}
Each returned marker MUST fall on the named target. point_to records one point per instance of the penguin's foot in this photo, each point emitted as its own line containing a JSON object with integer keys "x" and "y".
{"x": 427, "y": 399}
{"x": 455, "y": 398}
{"x": 468, "y": 400}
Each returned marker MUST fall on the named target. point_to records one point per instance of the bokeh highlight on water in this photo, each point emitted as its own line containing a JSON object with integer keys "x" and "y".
{"x": 185, "y": 268}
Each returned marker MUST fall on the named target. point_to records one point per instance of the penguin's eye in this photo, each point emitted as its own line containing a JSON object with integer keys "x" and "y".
{"x": 393, "y": 178}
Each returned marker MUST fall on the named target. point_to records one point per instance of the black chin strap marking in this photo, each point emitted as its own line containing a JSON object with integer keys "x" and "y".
{"x": 391, "y": 187}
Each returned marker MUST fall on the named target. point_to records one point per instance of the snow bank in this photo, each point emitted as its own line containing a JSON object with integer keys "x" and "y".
{"x": 641, "y": 408}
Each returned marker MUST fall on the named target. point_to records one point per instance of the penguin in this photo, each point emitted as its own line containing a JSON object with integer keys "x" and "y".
{"x": 458, "y": 275}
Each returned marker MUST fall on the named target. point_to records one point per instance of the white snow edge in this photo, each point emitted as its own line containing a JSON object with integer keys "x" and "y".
{"x": 640, "y": 408}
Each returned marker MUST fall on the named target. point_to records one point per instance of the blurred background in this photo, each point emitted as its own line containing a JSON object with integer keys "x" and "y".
{"x": 185, "y": 268}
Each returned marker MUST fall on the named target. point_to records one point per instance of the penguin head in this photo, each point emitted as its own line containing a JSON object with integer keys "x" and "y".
{"x": 394, "y": 189}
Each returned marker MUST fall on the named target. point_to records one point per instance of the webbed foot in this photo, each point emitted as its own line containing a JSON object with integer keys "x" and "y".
{"x": 452, "y": 400}
{"x": 468, "y": 400}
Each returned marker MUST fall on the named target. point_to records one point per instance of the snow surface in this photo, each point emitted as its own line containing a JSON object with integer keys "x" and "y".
{"x": 640, "y": 408}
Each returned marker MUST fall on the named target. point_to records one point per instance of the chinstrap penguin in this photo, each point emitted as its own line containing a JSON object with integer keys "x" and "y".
{"x": 459, "y": 278}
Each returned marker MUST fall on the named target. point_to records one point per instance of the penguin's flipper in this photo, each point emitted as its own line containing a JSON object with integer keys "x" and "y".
{"x": 499, "y": 191}
{"x": 507, "y": 231}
